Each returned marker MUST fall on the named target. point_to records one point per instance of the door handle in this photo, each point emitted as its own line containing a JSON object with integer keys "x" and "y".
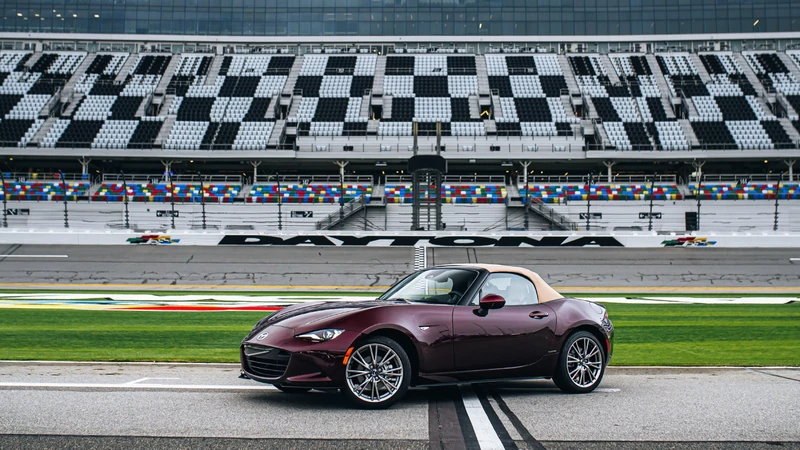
{"x": 538, "y": 315}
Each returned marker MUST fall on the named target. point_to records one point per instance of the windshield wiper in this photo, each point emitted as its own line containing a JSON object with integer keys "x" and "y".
{"x": 398, "y": 299}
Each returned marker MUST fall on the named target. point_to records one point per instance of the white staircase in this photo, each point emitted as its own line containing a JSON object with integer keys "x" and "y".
{"x": 364, "y": 112}
{"x": 380, "y": 72}
{"x": 213, "y": 71}
{"x": 474, "y": 107}
{"x": 787, "y": 60}
{"x": 610, "y": 70}
{"x": 572, "y": 84}
{"x": 483, "y": 75}
{"x": 790, "y": 130}
{"x": 163, "y": 134}
{"x": 565, "y": 99}
{"x": 658, "y": 74}
{"x": 748, "y": 71}
{"x": 171, "y": 68}
{"x": 701, "y": 69}
{"x": 688, "y": 131}
{"x": 288, "y": 88}
{"x": 127, "y": 68}
{"x": 43, "y": 131}
{"x": 667, "y": 107}
{"x": 387, "y": 106}
{"x": 277, "y": 131}
{"x": 76, "y": 76}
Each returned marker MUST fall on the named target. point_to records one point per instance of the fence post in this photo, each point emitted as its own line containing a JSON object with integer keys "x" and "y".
{"x": 64, "y": 187}
{"x": 125, "y": 200}
{"x": 5, "y": 201}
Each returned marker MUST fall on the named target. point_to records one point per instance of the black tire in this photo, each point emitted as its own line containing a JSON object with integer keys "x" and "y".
{"x": 404, "y": 379}
{"x": 586, "y": 366}
{"x": 292, "y": 389}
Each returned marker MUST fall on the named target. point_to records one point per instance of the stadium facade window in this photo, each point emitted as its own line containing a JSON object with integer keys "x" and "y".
{"x": 400, "y": 17}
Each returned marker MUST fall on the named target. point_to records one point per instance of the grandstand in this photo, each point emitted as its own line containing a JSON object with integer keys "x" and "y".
{"x": 241, "y": 127}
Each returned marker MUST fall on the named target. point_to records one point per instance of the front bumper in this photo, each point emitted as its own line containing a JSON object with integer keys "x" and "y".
{"x": 280, "y": 358}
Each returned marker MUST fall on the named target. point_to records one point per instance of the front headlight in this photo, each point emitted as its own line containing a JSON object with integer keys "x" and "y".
{"x": 321, "y": 335}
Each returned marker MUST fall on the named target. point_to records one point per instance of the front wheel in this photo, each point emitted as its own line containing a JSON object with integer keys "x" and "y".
{"x": 581, "y": 364}
{"x": 377, "y": 373}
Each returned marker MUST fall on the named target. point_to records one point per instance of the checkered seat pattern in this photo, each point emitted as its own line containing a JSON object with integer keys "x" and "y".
{"x": 529, "y": 87}
{"x": 428, "y": 89}
{"x": 332, "y": 89}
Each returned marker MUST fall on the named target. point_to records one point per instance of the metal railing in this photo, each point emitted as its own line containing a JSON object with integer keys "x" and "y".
{"x": 306, "y": 179}
{"x": 348, "y": 208}
{"x": 499, "y": 179}
{"x": 597, "y": 180}
{"x": 188, "y": 178}
{"x": 557, "y": 220}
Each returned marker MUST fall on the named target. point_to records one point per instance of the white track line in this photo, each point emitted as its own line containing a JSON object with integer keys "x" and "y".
{"x": 150, "y": 378}
{"x": 484, "y": 431}
{"x": 206, "y": 387}
{"x": 34, "y": 256}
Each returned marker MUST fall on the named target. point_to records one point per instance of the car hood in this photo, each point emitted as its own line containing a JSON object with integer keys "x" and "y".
{"x": 314, "y": 316}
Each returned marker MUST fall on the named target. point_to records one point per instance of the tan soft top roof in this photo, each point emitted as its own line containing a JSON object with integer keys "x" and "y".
{"x": 544, "y": 291}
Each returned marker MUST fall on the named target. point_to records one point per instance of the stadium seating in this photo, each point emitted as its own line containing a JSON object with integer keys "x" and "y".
{"x": 529, "y": 87}
{"x": 563, "y": 193}
{"x": 229, "y": 112}
{"x": 308, "y": 193}
{"x": 744, "y": 191}
{"x": 183, "y": 192}
{"x": 465, "y": 193}
{"x": 47, "y": 190}
{"x": 331, "y": 90}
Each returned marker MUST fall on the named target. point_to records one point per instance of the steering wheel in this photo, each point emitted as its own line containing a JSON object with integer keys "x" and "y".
{"x": 455, "y": 295}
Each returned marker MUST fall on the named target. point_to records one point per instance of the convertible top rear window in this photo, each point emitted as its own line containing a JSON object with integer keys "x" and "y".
{"x": 436, "y": 286}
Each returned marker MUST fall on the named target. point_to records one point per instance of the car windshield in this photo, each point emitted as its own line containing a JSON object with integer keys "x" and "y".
{"x": 437, "y": 286}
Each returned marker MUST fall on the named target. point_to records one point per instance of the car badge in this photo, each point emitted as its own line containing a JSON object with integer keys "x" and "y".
{"x": 262, "y": 336}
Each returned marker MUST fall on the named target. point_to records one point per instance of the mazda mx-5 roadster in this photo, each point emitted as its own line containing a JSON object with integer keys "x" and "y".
{"x": 446, "y": 324}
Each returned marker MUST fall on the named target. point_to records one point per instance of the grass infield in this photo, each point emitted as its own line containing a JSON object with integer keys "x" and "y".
{"x": 679, "y": 335}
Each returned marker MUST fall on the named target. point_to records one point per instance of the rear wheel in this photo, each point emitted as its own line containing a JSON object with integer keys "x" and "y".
{"x": 377, "y": 374}
{"x": 292, "y": 389}
{"x": 581, "y": 364}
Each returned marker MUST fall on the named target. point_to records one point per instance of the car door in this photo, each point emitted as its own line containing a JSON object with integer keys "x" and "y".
{"x": 518, "y": 334}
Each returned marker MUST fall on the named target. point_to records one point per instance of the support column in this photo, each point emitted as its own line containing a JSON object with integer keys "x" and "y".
{"x": 167, "y": 170}
{"x": 84, "y": 164}
{"x": 342, "y": 165}
{"x": 525, "y": 165}
{"x": 790, "y": 164}
{"x": 255, "y": 165}
{"x": 698, "y": 169}
{"x": 609, "y": 165}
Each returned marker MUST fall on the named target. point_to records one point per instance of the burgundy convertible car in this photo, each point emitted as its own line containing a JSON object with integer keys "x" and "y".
{"x": 446, "y": 324}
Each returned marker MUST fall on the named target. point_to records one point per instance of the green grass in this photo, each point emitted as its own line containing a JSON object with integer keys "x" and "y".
{"x": 687, "y": 335}
{"x": 738, "y": 335}
{"x": 54, "y": 334}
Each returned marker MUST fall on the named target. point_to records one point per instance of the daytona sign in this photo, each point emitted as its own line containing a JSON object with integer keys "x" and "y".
{"x": 433, "y": 241}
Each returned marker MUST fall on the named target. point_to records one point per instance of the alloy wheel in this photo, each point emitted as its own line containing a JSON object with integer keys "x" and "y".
{"x": 584, "y": 362}
{"x": 374, "y": 373}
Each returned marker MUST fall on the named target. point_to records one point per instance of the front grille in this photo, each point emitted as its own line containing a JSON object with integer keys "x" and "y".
{"x": 265, "y": 362}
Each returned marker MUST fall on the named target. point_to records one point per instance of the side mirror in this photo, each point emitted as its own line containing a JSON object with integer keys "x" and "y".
{"x": 489, "y": 301}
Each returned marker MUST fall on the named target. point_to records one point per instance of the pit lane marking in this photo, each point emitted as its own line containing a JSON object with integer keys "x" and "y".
{"x": 150, "y": 378}
{"x": 485, "y": 433}
{"x": 34, "y": 256}
{"x": 206, "y": 387}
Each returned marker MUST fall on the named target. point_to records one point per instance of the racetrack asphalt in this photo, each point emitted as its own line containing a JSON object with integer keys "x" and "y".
{"x": 108, "y": 405}
{"x": 350, "y": 268}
